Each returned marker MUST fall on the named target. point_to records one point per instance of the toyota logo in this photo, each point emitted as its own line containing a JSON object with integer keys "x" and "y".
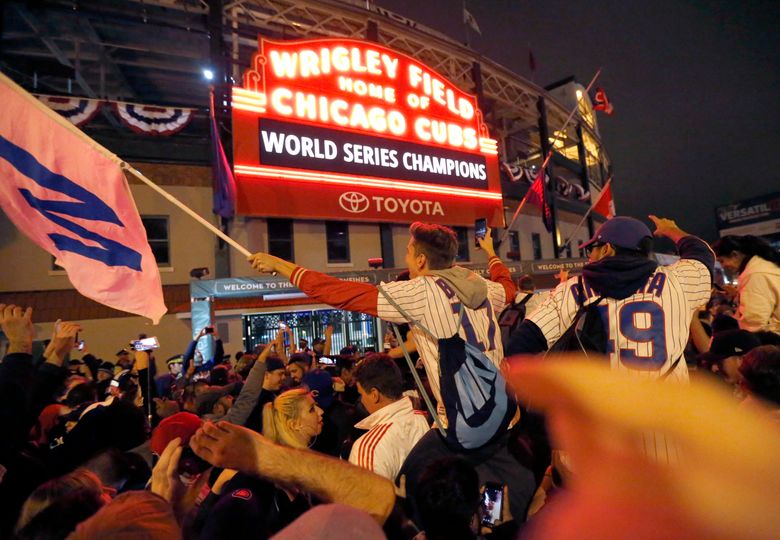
{"x": 354, "y": 202}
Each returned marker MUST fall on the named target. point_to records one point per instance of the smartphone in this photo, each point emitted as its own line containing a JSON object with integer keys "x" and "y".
{"x": 190, "y": 464}
{"x": 80, "y": 345}
{"x": 492, "y": 503}
{"x": 146, "y": 344}
{"x": 480, "y": 230}
{"x": 209, "y": 329}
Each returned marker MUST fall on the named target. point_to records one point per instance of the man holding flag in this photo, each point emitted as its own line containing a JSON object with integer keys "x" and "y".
{"x": 69, "y": 195}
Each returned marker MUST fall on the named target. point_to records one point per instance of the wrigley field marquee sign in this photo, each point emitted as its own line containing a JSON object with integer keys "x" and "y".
{"x": 346, "y": 129}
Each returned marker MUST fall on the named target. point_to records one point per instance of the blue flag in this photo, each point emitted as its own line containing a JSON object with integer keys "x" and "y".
{"x": 224, "y": 183}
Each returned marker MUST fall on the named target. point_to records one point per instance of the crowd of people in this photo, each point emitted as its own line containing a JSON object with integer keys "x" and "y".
{"x": 563, "y": 424}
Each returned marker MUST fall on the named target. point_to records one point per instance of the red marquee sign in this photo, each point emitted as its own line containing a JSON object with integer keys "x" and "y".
{"x": 346, "y": 129}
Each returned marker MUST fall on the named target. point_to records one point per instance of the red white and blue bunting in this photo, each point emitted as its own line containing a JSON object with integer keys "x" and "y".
{"x": 77, "y": 110}
{"x": 151, "y": 120}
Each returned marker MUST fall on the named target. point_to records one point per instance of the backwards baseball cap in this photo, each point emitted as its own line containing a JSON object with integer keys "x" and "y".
{"x": 621, "y": 231}
{"x": 320, "y": 383}
{"x": 182, "y": 425}
{"x": 733, "y": 343}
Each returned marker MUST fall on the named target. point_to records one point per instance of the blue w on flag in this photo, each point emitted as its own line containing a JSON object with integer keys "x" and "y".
{"x": 68, "y": 195}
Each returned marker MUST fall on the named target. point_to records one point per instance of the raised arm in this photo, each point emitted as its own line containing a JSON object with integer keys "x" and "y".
{"x": 341, "y": 294}
{"x": 688, "y": 246}
{"x": 250, "y": 392}
{"x": 498, "y": 272}
{"x": 331, "y": 480}
{"x": 326, "y": 348}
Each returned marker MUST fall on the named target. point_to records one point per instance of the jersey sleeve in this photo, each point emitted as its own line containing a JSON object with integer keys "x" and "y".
{"x": 499, "y": 274}
{"x": 339, "y": 293}
{"x": 554, "y": 316}
{"x": 694, "y": 279}
{"x": 409, "y": 295}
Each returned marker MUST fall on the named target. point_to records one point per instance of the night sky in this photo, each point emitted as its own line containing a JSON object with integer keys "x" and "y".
{"x": 694, "y": 85}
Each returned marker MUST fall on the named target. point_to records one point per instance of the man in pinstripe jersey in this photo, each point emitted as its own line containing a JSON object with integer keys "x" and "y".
{"x": 433, "y": 296}
{"x": 646, "y": 308}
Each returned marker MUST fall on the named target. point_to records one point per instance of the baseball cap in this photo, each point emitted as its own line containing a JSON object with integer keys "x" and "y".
{"x": 733, "y": 343}
{"x": 320, "y": 383}
{"x": 348, "y": 350}
{"x": 175, "y": 360}
{"x": 273, "y": 364}
{"x": 621, "y": 231}
{"x": 318, "y": 341}
{"x": 125, "y": 378}
{"x": 120, "y": 352}
{"x": 219, "y": 375}
{"x": 107, "y": 367}
{"x": 182, "y": 425}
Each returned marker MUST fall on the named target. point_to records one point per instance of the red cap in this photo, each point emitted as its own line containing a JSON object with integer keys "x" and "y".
{"x": 182, "y": 425}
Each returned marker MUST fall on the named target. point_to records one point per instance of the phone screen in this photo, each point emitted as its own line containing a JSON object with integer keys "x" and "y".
{"x": 492, "y": 504}
{"x": 480, "y": 230}
{"x": 146, "y": 344}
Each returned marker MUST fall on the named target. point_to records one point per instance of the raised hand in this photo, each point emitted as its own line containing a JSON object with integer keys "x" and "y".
{"x": 486, "y": 243}
{"x": 228, "y": 446}
{"x": 666, "y": 228}
{"x": 17, "y": 326}
{"x": 62, "y": 340}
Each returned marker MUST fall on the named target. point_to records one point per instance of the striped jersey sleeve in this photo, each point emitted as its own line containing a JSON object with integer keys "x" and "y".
{"x": 556, "y": 313}
{"x": 410, "y": 295}
{"x": 695, "y": 281}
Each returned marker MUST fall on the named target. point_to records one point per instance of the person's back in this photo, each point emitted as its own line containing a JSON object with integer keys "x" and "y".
{"x": 646, "y": 309}
{"x": 393, "y": 426}
{"x": 435, "y": 301}
{"x": 647, "y": 330}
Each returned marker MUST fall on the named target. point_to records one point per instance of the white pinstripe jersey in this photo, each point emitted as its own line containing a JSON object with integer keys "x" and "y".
{"x": 429, "y": 300}
{"x": 648, "y": 331}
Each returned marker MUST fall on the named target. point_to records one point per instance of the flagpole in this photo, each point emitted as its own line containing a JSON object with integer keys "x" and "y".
{"x": 592, "y": 206}
{"x": 194, "y": 215}
{"x": 549, "y": 156}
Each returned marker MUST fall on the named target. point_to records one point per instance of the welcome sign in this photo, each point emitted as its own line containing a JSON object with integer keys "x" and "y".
{"x": 346, "y": 129}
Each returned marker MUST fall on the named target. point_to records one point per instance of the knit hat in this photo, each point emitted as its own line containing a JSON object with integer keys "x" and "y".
{"x": 273, "y": 363}
{"x": 320, "y": 383}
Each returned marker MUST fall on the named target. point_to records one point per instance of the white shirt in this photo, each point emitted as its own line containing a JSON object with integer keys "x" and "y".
{"x": 393, "y": 431}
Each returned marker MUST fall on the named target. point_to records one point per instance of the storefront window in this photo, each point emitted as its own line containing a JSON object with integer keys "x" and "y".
{"x": 337, "y": 235}
{"x": 280, "y": 239}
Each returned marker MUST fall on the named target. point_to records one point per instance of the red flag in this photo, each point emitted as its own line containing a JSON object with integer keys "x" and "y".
{"x": 537, "y": 195}
{"x": 70, "y": 196}
{"x": 605, "y": 205}
{"x": 601, "y": 102}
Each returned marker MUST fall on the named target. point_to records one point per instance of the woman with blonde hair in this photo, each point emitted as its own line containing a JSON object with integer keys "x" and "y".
{"x": 292, "y": 419}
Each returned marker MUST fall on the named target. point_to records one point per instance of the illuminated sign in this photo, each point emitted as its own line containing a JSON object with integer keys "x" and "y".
{"x": 320, "y": 121}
